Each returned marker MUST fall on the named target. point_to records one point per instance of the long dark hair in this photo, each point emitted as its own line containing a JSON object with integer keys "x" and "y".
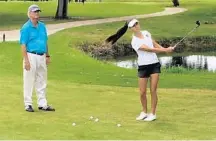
{"x": 114, "y": 38}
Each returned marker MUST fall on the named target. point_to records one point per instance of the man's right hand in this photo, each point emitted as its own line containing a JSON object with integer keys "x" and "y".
{"x": 27, "y": 65}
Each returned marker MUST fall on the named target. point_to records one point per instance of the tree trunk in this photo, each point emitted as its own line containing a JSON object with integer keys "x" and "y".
{"x": 175, "y": 3}
{"x": 62, "y": 9}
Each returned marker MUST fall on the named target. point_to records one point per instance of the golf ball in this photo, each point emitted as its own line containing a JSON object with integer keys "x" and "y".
{"x": 96, "y": 120}
{"x": 119, "y": 125}
{"x": 91, "y": 117}
{"x": 74, "y": 124}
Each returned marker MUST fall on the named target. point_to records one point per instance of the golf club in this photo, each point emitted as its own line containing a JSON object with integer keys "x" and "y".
{"x": 198, "y": 24}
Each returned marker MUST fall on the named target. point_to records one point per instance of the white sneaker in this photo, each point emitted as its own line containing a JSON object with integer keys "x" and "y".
{"x": 150, "y": 117}
{"x": 141, "y": 116}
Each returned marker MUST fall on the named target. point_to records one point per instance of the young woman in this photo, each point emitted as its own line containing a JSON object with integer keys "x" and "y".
{"x": 148, "y": 64}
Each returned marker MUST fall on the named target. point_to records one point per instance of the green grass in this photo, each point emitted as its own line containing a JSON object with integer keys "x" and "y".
{"x": 14, "y": 19}
{"x": 182, "y": 113}
{"x": 80, "y": 87}
{"x": 183, "y": 23}
{"x": 71, "y": 65}
{"x": 164, "y": 27}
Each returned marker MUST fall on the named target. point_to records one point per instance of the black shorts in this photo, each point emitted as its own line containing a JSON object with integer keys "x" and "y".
{"x": 145, "y": 71}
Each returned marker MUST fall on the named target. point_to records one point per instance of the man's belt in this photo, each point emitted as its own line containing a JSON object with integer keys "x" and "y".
{"x": 36, "y": 53}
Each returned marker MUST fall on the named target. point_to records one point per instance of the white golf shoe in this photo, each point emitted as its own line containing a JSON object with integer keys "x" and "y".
{"x": 150, "y": 117}
{"x": 141, "y": 116}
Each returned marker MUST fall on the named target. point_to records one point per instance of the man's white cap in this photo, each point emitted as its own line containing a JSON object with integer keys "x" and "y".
{"x": 34, "y": 8}
{"x": 132, "y": 22}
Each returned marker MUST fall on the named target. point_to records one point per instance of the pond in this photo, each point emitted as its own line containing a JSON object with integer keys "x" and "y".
{"x": 201, "y": 62}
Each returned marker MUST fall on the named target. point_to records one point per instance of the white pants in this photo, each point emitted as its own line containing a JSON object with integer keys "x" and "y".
{"x": 36, "y": 78}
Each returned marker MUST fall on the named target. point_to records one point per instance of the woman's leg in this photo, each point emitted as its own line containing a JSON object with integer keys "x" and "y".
{"x": 154, "y": 78}
{"x": 143, "y": 88}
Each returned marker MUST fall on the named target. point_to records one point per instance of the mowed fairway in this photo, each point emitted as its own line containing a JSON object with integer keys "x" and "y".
{"x": 80, "y": 86}
{"x": 76, "y": 11}
{"x": 182, "y": 114}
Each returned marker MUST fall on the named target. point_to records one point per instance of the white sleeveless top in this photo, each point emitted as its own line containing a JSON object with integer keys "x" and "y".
{"x": 144, "y": 57}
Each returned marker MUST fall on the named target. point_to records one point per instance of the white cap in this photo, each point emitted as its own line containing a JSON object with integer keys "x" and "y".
{"x": 34, "y": 8}
{"x": 132, "y": 22}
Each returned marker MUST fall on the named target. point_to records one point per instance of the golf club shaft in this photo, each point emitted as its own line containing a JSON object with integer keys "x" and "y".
{"x": 186, "y": 36}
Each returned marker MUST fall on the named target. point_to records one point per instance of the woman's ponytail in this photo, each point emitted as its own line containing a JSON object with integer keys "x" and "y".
{"x": 114, "y": 38}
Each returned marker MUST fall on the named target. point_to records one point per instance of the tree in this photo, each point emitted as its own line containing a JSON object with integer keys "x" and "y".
{"x": 175, "y": 3}
{"x": 62, "y": 9}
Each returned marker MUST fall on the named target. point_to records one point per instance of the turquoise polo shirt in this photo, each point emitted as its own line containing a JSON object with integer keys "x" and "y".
{"x": 34, "y": 38}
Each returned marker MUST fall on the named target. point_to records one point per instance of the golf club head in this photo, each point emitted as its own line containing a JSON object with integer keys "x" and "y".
{"x": 198, "y": 23}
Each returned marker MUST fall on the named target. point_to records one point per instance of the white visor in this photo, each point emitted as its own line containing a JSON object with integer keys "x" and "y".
{"x": 132, "y": 23}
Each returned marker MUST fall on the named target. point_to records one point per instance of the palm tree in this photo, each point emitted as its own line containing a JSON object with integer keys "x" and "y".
{"x": 62, "y": 9}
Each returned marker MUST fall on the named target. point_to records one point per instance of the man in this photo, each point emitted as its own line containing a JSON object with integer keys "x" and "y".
{"x": 33, "y": 40}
